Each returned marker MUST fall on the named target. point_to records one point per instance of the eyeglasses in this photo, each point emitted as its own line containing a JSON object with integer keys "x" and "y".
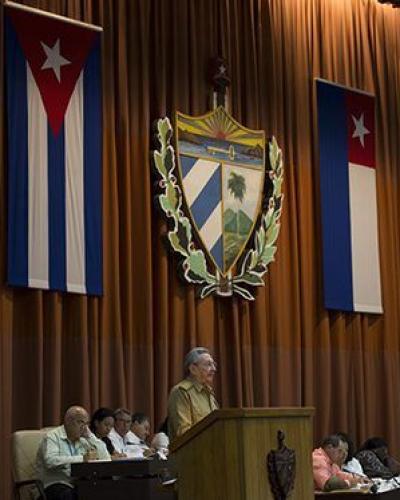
{"x": 208, "y": 365}
{"x": 125, "y": 420}
{"x": 79, "y": 421}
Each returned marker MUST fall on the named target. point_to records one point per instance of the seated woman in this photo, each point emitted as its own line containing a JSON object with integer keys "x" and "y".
{"x": 101, "y": 424}
{"x": 375, "y": 459}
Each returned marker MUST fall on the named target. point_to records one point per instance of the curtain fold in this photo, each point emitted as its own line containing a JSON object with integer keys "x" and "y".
{"x": 283, "y": 349}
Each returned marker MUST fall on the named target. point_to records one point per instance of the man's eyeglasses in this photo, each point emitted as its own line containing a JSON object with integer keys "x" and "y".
{"x": 209, "y": 365}
{"x": 81, "y": 422}
{"x": 125, "y": 420}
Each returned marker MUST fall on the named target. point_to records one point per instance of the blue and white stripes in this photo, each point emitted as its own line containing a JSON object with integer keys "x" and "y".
{"x": 202, "y": 181}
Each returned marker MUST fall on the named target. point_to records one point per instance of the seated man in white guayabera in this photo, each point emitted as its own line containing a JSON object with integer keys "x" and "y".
{"x": 139, "y": 434}
{"x": 121, "y": 435}
{"x": 140, "y": 429}
{"x": 69, "y": 443}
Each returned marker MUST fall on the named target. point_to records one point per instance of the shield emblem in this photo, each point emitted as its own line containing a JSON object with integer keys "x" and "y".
{"x": 222, "y": 170}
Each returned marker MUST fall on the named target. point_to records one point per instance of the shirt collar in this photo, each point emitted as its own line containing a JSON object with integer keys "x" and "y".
{"x": 63, "y": 432}
{"x": 201, "y": 387}
{"x": 63, "y": 435}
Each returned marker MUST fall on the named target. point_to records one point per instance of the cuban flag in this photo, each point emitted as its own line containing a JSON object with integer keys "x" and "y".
{"x": 53, "y": 85}
{"x": 346, "y": 122}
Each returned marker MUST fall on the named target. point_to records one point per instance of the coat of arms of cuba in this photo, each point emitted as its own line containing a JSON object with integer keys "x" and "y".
{"x": 220, "y": 188}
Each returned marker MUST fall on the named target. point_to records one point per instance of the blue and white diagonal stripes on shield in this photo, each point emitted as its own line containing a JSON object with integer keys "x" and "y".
{"x": 203, "y": 192}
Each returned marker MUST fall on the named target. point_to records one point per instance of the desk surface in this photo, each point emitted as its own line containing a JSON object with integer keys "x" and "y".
{"x": 121, "y": 480}
{"x": 125, "y": 468}
{"x": 357, "y": 495}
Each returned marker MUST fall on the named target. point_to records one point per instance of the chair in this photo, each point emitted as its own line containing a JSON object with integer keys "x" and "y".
{"x": 24, "y": 449}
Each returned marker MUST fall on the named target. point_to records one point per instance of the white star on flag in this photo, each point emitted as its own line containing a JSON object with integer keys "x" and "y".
{"x": 360, "y": 130}
{"x": 54, "y": 59}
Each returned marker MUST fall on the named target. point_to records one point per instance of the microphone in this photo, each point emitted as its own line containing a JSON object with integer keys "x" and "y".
{"x": 374, "y": 489}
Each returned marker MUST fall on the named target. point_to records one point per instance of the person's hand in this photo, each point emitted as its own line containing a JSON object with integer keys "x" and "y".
{"x": 362, "y": 479}
{"x": 354, "y": 480}
{"x": 86, "y": 433}
{"x": 90, "y": 455}
{"x": 150, "y": 452}
{"x": 117, "y": 454}
{"x": 366, "y": 480}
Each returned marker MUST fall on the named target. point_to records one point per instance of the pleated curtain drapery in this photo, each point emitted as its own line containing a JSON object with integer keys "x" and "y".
{"x": 283, "y": 349}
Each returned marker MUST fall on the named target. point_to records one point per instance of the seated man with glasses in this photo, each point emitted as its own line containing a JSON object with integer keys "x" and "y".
{"x": 62, "y": 446}
{"x": 119, "y": 433}
{"x": 193, "y": 398}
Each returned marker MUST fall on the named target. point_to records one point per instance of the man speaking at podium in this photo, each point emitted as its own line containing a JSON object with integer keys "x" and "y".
{"x": 193, "y": 398}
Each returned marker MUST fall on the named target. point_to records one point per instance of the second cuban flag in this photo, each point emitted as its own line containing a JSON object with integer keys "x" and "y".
{"x": 346, "y": 123}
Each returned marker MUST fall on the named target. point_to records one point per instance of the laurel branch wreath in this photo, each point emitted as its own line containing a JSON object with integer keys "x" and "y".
{"x": 194, "y": 264}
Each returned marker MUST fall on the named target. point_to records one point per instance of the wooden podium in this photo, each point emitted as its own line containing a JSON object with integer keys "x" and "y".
{"x": 224, "y": 456}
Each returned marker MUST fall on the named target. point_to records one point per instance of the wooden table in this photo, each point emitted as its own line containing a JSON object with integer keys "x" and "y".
{"x": 121, "y": 480}
{"x": 357, "y": 495}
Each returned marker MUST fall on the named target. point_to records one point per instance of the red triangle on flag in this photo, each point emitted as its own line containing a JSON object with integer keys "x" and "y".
{"x": 56, "y": 52}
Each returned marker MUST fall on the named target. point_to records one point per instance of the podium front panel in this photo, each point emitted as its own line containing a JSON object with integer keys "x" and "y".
{"x": 225, "y": 456}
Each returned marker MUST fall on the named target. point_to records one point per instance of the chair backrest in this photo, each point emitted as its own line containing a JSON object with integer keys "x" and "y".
{"x": 25, "y": 445}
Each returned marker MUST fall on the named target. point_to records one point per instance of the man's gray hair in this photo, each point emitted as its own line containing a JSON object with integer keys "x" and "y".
{"x": 193, "y": 356}
{"x": 122, "y": 411}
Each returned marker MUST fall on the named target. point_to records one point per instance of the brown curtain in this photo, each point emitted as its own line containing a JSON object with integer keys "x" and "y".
{"x": 282, "y": 349}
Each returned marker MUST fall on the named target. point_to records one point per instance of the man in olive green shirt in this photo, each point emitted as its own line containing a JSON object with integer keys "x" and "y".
{"x": 193, "y": 398}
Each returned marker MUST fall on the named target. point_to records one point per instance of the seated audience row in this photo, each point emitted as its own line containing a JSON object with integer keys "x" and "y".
{"x": 130, "y": 433}
{"x": 111, "y": 434}
{"x": 337, "y": 466}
